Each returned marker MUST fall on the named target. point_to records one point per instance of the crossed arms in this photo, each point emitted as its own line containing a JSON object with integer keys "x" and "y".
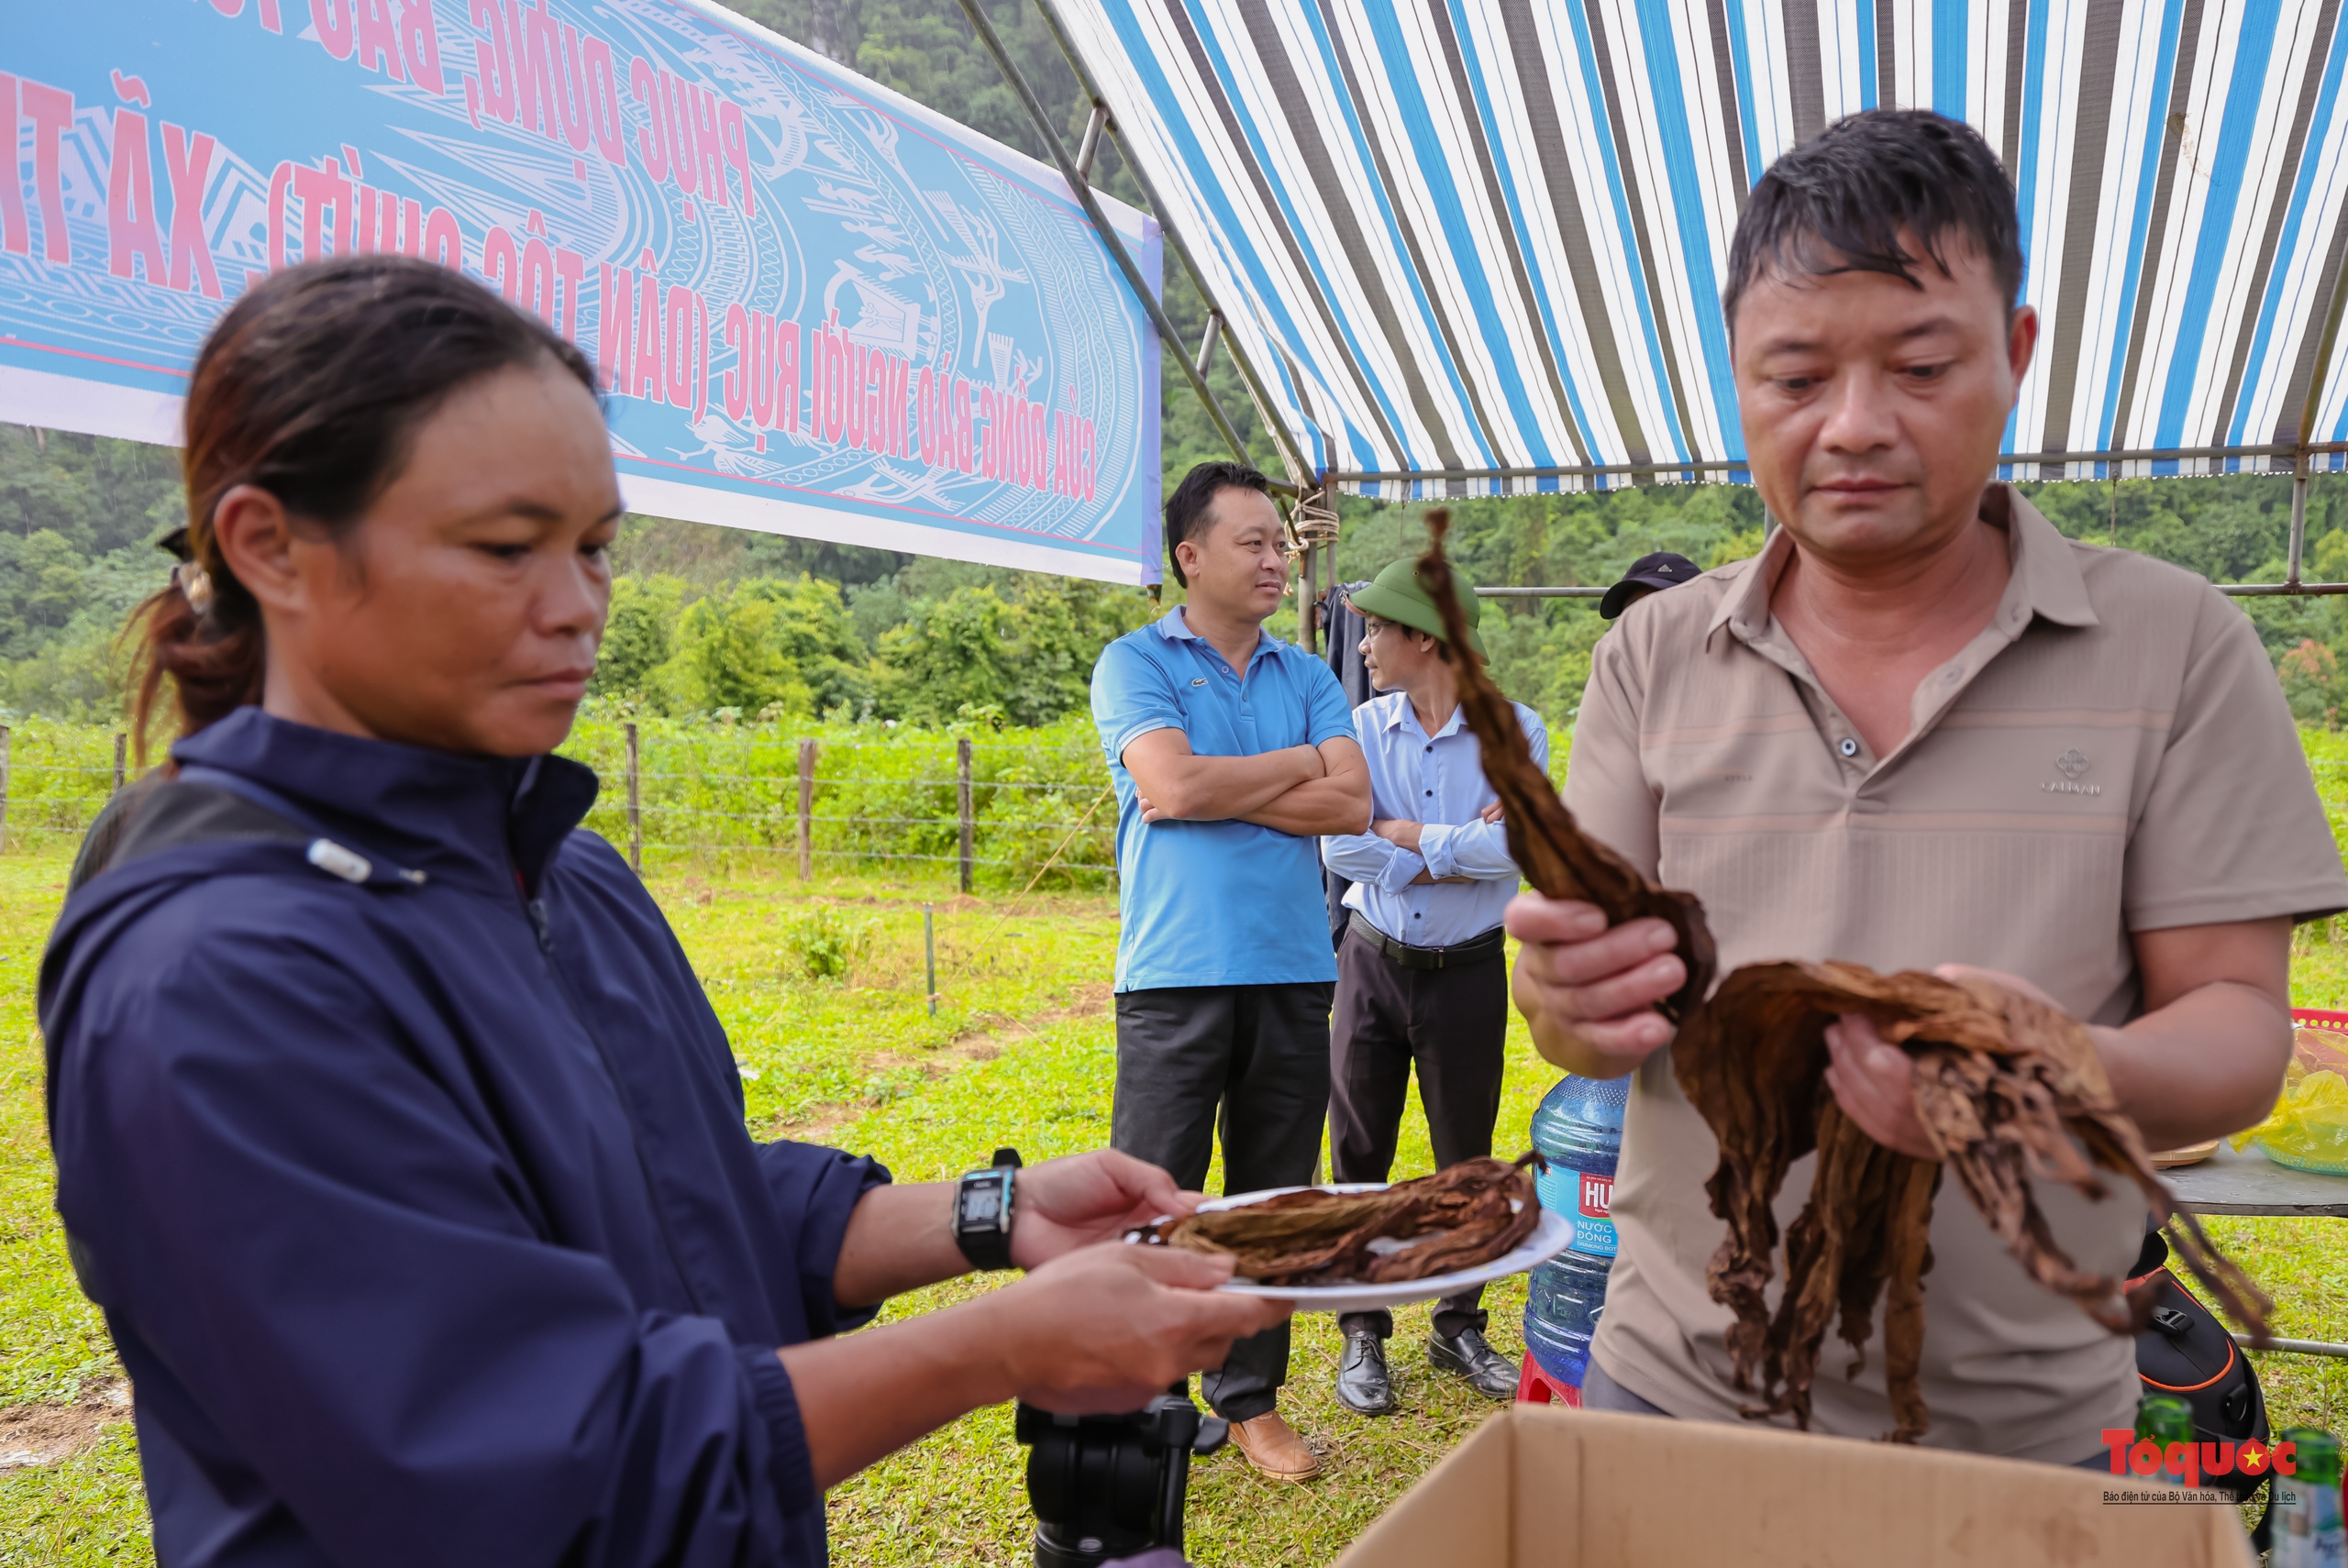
{"x": 1397, "y": 852}
{"x": 1302, "y": 789}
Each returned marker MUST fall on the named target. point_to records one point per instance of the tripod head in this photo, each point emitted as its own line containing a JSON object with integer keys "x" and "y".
{"x": 1106, "y": 1486}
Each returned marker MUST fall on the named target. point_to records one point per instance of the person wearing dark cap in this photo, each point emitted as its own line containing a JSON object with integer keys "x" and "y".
{"x": 1648, "y": 574}
{"x": 1422, "y": 973}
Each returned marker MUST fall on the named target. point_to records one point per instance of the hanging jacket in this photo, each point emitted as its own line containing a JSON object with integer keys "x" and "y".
{"x": 405, "y": 1156}
{"x": 1344, "y": 627}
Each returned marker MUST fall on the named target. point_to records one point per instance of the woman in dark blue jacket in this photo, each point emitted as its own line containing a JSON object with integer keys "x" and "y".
{"x": 393, "y": 1133}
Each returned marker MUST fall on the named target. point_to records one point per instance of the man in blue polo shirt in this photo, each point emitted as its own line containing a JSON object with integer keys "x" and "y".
{"x": 1231, "y": 752}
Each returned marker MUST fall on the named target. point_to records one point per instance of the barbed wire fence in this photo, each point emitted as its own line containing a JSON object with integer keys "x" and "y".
{"x": 990, "y": 812}
{"x": 1011, "y": 814}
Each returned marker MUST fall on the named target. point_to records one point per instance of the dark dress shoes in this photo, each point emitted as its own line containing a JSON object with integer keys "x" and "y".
{"x": 1363, "y": 1386}
{"x": 1464, "y": 1354}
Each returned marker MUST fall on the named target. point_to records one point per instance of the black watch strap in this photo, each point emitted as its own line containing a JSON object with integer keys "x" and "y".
{"x": 983, "y": 1202}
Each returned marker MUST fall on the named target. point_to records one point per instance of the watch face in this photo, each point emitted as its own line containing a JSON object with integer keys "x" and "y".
{"x": 981, "y": 1206}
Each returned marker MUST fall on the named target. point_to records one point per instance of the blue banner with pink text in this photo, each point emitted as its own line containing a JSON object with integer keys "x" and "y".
{"x": 818, "y": 308}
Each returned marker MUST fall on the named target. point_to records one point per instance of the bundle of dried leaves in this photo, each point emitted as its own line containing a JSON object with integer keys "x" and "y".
{"x": 1553, "y": 854}
{"x": 2003, "y": 1085}
{"x": 1464, "y": 1215}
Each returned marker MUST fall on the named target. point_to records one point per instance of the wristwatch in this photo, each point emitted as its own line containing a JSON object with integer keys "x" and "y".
{"x": 983, "y": 1203}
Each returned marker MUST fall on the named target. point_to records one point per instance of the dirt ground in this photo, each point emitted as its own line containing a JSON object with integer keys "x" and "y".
{"x": 45, "y": 1435}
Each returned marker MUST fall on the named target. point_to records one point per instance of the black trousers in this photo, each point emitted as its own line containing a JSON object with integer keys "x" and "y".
{"x": 1452, "y": 1023}
{"x": 1253, "y": 1063}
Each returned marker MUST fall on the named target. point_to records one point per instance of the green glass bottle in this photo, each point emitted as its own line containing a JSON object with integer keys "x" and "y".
{"x": 2164, "y": 1418}
{"x": 2306, "y": 1508}
{"x": 2318, "y": 1455}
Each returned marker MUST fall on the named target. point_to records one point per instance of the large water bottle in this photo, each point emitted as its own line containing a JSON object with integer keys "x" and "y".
{"x": 1561, "y": 1307}
{"x": 1579, "y": 1131}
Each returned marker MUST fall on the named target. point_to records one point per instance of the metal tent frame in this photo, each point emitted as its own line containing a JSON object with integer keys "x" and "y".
{"x": 1311, "y": 491}
{"x": 1314, "y": 541}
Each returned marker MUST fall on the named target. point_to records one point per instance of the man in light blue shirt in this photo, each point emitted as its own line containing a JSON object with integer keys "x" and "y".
{"x": 1421, "y": 971}
{"x": 1231, "y": 752}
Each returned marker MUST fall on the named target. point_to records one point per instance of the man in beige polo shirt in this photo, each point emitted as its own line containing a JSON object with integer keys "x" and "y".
{"x": 1922, "y": 729}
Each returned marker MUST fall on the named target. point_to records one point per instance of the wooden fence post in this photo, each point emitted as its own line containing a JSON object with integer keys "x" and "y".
{"x": 3, "y": 788}
{"x": 635, "y": 805}
{"x": 806, "y": 809}
{"x": 118, "y": 740}
{"x": 962, "y": 787}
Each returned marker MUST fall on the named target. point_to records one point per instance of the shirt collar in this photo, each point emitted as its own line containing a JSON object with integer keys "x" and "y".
{"x": 1174, "y": 628}
{"x": 435, "y": 810}
{"x": 2042, "y": 579}
{"x": 2046, "y": 578}
{"x": 1400, "y": 712}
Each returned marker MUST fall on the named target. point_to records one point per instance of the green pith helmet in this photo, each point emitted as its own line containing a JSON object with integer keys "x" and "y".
{"x": 1397, "y": 596}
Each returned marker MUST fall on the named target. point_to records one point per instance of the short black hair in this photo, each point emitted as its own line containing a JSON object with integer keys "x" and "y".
{"x": 1188, "y": 505}
{"x": 1841, "y": 202}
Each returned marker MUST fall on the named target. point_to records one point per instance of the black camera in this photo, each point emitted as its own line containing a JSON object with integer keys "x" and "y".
{"x": 1105, "y": 1486}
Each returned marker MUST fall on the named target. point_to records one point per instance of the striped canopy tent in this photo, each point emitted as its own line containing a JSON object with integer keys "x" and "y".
{"x": 1476, "y": 246}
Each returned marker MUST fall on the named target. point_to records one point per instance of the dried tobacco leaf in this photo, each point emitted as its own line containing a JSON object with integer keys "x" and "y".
{"x": 1555, "y": 856}
{"x": 1464, "y": 1215}
{"x": 2003, "y": 1084}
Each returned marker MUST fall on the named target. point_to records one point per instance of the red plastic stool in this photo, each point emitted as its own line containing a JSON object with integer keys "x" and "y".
{"x": 1535, "y": 1386}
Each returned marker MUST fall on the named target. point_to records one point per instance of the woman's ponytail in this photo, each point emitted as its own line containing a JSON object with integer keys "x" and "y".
{"x": 210, "y": 644}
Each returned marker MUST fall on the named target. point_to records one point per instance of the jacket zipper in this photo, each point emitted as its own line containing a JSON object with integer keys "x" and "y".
{"x": 543, "y": 928}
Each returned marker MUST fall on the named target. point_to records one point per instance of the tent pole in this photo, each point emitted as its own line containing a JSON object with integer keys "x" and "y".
{"x": 2299, "y": 522}
{"x": 1291, "y": 453}
{"x": 1090, "y": 147}
{"x": 1306, "y": 619}
{"x": 1206, "y": 346}
{"x": 2313, "y": 403}
{"x": 1081, "y": 189}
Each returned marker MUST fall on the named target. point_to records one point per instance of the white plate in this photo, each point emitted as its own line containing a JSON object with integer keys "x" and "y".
{"x": 1552, "y": 1236}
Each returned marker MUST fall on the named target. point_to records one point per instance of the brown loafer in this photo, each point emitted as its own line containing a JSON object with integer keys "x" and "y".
{"x": 1272, "y": 1446}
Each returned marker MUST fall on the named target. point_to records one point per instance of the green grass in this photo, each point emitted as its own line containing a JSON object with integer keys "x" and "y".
{"x": 1022, "y": 1050}
{"x": 812, "y": 1049}
{"x": 51, "y": 1339}
{"x": 90, "y": 1510}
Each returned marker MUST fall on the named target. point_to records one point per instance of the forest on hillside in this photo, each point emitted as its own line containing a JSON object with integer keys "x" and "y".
{"x": 718, "y": 621}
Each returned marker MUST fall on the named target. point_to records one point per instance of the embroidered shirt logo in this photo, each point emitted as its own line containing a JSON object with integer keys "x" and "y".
{"x": 2071, "y": 765}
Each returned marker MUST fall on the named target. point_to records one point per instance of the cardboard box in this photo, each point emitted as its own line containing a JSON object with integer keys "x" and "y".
{"x": 1543, "y": 1486}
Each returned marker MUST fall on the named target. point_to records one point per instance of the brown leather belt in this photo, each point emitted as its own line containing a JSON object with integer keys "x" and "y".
{"x": 1475, "y": 950}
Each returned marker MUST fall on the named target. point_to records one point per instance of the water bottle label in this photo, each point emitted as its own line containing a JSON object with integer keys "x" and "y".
{"x": 2308, "y": 1527}
{"x": 1585, "y": 1198}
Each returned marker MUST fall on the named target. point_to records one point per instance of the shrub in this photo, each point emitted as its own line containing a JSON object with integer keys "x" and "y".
{"x": 2311, "y": 676}
{"x": 824, "y": 945}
